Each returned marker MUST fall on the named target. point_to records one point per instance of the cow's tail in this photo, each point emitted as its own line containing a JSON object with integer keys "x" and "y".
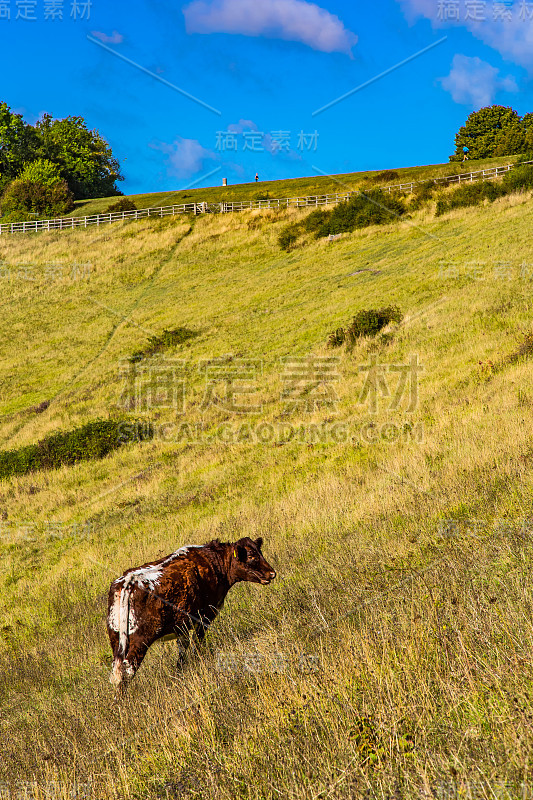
{"x": 124, "y": 619}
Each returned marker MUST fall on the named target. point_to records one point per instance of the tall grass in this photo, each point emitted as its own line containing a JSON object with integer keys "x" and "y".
{"x": 391, "y": 656}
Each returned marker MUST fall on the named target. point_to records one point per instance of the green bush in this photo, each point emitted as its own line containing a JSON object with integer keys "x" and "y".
{"x": 368, "y": 323}
{"x": 124, "y": 204}
{"x": 470, "y": 194}
{"x": 422, "y": 193}
{"x": 315, "y": 220}
{"x": 372, "y": 208}
{"x": 169, "y": 338}
{"x": 520, "y": 178}
{"x": 365, "y": 323}
{"x": 288, "y": 237}
{"x": 93, "y": 440}
{"x": 24, "y": 197}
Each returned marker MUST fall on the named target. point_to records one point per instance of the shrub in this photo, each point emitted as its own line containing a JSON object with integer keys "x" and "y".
{"x": 520, "y": 178}
{"x": 288, "y": 237}
{"x": 365, "y": 323}
{"x": 422, "y": 193}
{"x": 470, "y": 194}
{"x": 368, "y": 323}
{"x": 124, "y": 204}
{"x": 372, "y": 208}
{"x": 23, "y": 197}
{"x": 93, "y": 440}
{"x": 315, "y": 220}
{"x": 169, "y": 338}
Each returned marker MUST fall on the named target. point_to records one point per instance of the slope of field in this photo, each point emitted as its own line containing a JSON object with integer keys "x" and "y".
{"x": 294, "y": 187}
{"x": 393, "y": 488}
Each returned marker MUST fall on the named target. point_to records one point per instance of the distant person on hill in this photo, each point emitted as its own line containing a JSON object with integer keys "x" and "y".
{"x": 465, "y": 151}
{"x": 256, "y": 177}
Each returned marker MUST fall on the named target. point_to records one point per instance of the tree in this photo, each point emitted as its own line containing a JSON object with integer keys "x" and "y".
{"x": 491, "y": 131}
{"x": 527, "y": 122}
{"x": 85, "y": 158}
{"x": 18, "y": 144}
{"x": 41, "y": 171}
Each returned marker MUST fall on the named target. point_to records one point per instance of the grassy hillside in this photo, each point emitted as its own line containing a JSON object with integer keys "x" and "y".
{"x": 392, "y": 655}
{"x": 294, "y": 187}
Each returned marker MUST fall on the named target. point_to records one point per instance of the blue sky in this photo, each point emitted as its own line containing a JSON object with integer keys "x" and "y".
{"x": 247, "y": 76}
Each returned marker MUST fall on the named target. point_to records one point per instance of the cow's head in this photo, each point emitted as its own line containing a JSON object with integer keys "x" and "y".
{"x": 248, "y": 562}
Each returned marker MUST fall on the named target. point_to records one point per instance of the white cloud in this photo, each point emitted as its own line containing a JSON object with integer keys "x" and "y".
{"x": 512, "y": 36}
{"x": 185, "y": 157}
{"x": 475, "y": 82}
{"x": 242, "y": 125}
{"x": 293, "y": 20}
{"x": 115, "y": 38}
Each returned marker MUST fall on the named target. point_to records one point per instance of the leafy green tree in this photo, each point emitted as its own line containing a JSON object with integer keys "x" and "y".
{"x": 18, "y": 144}
{"x": 527, "y": 122}
{"x": 491, "y": 131}
{"x": 85, "y": 158}
{"x": 41, "y": 171}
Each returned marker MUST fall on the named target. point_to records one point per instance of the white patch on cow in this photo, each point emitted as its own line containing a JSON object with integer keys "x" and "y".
{"x": 147, "y": 576}
{"x": 113, "y": 619}
{"x": 124, "y": 613}
{"x": 132, "y": 622}
{"x": 128, "y": 669}
{"x": 183, "y": 551}
{"x": 151, "y": 574}
{"x": 116, "y": 673}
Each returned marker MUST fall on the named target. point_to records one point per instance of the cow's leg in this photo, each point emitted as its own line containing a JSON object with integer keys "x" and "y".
{"x": 183, "y": 640}
{"x": 137, "y": 649}
{"x": 203, "y": 624}
{"x": 116, "y": 671}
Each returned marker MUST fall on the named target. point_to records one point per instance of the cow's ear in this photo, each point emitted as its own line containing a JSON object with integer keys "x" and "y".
{"x": 241, "y": 552}
{"x": 259, "y": 543}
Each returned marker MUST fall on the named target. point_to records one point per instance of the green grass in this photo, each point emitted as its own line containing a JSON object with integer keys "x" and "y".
{"x": 294, "y": 187}
{"x": 392, "y": 655}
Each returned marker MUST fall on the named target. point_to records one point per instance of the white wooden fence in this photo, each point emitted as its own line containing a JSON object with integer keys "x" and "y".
{"x": 69, "y": 223}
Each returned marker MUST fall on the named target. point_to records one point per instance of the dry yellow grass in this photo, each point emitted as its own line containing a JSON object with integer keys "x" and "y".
{"x": 392, "y": 656}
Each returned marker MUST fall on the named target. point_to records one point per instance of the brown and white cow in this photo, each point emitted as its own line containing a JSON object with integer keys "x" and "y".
{"x": 175, "y": 595}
